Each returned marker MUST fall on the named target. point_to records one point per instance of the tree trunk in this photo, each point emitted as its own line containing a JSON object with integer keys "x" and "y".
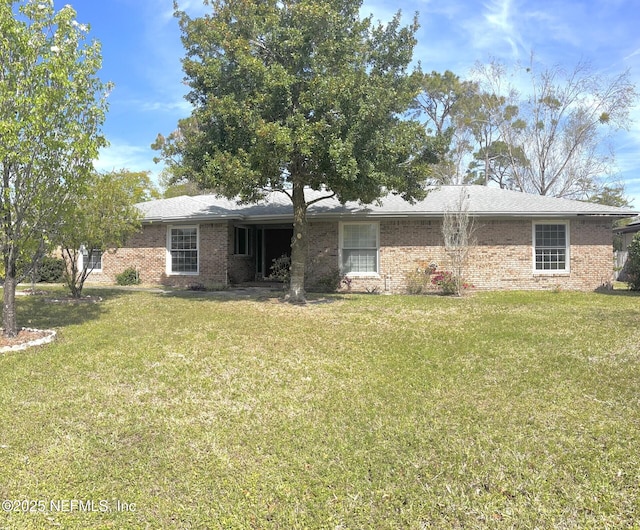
{"x": 9, "y": 320}
{"x": 72, "y": 275}
{"x": 299, "y": 246}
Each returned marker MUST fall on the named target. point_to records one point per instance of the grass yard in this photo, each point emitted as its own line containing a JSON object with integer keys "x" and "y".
{"x": 500, "y": 410}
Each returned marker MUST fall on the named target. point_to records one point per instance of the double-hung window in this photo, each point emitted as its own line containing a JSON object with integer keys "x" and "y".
{"x": 359, "y": 248}
{"x": 183, "y": 248}
{"x": 551, "y": 247}
{"x": 92, "y": 262}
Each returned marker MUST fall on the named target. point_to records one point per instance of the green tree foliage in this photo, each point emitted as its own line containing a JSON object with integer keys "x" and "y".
{"x": 137, "y": 184}
{"x": 175, "y": 187}
{"x": 632, "y": 267}
{"x": 496, "y": 163}
{"x": 183, "y": 188}
{"x": 610, "y": 195}
{"x": 52, "y": 106}
{"x": 102, "y": 217}
{"x": 295, "y": 94}
{"x": 443, "y": 103}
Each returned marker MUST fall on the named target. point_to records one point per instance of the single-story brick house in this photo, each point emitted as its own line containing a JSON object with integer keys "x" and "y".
{"x": 522, "y": 241}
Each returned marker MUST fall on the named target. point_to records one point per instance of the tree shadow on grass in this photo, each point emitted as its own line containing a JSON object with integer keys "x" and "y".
{"x": 53, "y": 309}
{"x": 250, "y": 293}
{"x": 617, "y": 292}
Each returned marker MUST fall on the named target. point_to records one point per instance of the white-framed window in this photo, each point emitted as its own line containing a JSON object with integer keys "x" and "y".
{"x": 93, "y": 262}
{"x": 183, "y": 250}
{"x": 359, "y": 248}
{"x": 551, "y": 247}
{"x": 241, "y": 241}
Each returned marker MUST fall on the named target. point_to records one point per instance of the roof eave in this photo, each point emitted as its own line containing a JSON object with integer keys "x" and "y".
{"x": 193, "y": 219}
{"x": 375, "y": 215}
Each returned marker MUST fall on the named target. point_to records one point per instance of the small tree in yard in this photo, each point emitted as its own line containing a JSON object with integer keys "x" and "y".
{"x": 457, "y": 231}
{"x": 102, "y": 218}
{"x": 290, "y": 95}
{"x": 632, "y": 267}
{"x": 52, "y": 106}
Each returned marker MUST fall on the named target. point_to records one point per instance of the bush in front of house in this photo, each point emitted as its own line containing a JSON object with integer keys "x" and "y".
{"x": 326, "y": 283}
{"x": 280, "y": 271}
{"x": 632, "y": 267}
{"x": 128, "y": 276}
{"x": 51, "y": 270}
{"x": 418, "y": 280}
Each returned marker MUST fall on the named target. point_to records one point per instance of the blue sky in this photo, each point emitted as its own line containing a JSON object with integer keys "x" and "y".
{"x": 141, "y": 50}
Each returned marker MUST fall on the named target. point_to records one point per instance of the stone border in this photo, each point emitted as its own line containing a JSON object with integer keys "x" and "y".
{"x": 37, "y": 342}
{"x": 71, "y": 300}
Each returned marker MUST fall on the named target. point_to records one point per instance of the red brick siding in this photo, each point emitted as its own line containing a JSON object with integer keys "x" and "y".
{"x": 147, "y": 252}
{"x": 241, "y": 268}
{"x": 322, "y": 261}
{"x": 501, "y": 259}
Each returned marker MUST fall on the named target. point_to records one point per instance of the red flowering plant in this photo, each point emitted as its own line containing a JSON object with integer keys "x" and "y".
{"x": 445, "y": 281}
{"x": 449, "y": 283}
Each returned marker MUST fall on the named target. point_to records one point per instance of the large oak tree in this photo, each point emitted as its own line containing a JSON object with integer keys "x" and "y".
{"x": 289, "y": 95}
{"x": 52, "y": 106}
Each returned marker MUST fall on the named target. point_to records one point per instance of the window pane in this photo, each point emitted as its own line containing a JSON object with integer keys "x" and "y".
{"x": 184, "y": 239}
{"x": 550, "y": 235}
{"x": 551, "y": 259}
{"x": 360, "y": 236}
{"x": 360, "y": 248}
{"x": 359, "y": 260}
{"x": 241, "y": 241}
{"x": 93, "y": 262}
{"x": 184, "y": 250}
{"x": 551, "y": 247}
{"x": 184, "y": 261}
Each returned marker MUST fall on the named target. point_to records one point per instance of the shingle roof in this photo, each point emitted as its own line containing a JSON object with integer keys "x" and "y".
{"x": 483, "y": 201}
{"x": 633, "y": 226}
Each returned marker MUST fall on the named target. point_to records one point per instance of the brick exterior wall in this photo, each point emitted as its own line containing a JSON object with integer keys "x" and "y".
{"x": 241, "y": 268}
{"x": 147, "y": 252}
{"x": 322, "y": 263}
{"x": 502, "y": 257}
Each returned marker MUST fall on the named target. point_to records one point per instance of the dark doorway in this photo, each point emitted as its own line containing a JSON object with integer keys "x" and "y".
{"x": 272, "y": 243}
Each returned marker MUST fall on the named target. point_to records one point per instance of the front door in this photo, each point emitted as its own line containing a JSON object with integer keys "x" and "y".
{"x": 272, "y": 243}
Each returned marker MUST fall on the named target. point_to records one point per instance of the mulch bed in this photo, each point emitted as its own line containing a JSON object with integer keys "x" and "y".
{"x": 24, "y": 336}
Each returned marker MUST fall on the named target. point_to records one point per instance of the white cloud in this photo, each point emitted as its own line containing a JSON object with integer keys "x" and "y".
{"x": 163, "y": 9}
{"x": 635, "y": 53}
{"x": 178, "y": 107}
{"x": 501, "y": 27}
{"x": 380, "y": 11}
{"x": 120, "y": 155}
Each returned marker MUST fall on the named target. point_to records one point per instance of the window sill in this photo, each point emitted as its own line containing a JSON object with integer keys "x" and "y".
{"x": 363, "y": 275}
{"x": 551, "y": 273}
{"x": 183, "y": 273}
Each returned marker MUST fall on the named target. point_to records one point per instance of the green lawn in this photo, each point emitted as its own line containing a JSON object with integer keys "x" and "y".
{"x": 499, "y": 410}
